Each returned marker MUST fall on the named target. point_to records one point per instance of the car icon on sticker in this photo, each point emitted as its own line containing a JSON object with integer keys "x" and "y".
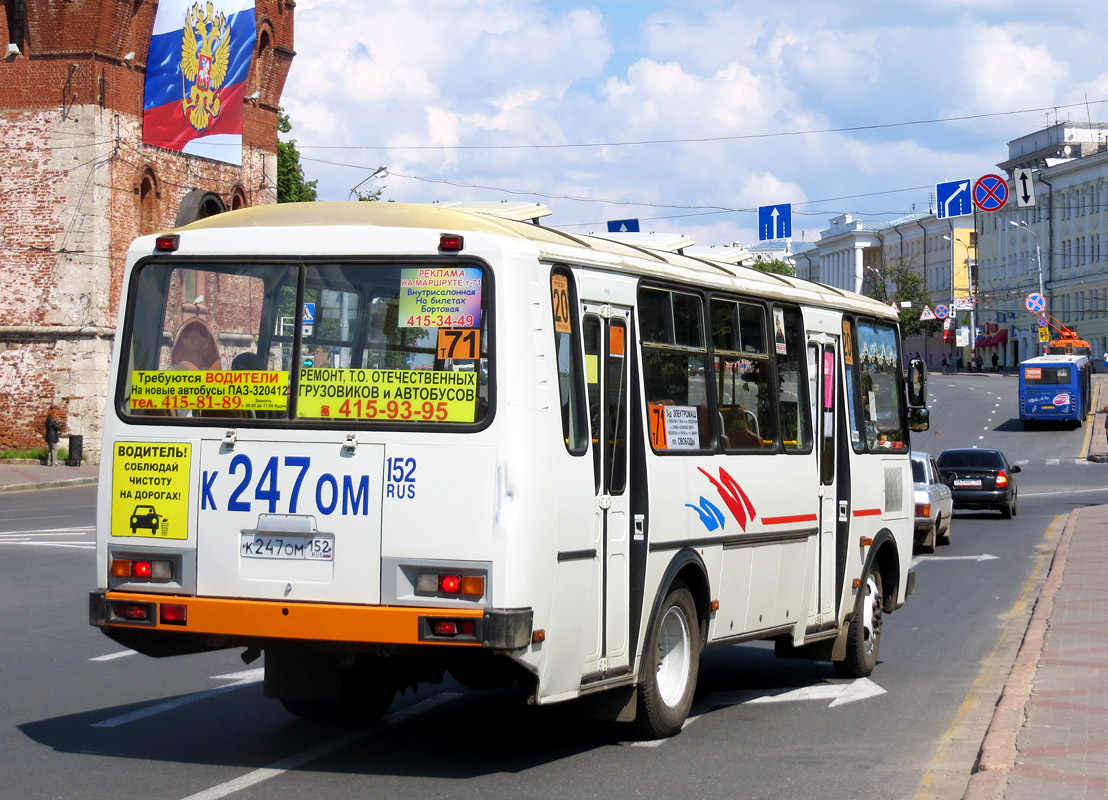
{"x": 145, "y": 517}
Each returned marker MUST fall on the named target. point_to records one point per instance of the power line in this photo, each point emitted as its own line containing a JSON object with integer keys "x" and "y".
{"x": 701, "y": 209}
{"x": 704, "y": 139}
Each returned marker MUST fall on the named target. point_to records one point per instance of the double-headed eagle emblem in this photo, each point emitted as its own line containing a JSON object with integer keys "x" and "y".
{"x": 205, "y": 56}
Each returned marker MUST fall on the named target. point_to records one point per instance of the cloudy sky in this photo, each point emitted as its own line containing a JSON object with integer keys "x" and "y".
{"x": 685, "y": 115}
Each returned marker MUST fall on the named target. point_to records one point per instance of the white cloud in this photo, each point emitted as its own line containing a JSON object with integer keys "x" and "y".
{"x": 1010, "y": 73}
{"x": 468, "y": 75}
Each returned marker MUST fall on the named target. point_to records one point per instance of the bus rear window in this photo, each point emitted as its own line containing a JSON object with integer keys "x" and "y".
{"x": 1046, "y": 376}
{"x": 326, "y": 343}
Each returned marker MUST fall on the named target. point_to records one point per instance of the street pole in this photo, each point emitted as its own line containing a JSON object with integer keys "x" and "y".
{"x": 1038, "y": 265}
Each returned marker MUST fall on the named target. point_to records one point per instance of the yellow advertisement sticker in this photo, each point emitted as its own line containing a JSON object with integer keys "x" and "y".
{"x": 407, "y": 395}
{"x": 150, "y": 489}
{"x": 210, "y": 390}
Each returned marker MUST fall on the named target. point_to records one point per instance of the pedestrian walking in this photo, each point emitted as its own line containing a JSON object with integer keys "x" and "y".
{"x": 980, "y": 361}
{"x": 1106, "y": 424}
{"x": 996, "y": 362}
{"x": 52, "y": 430}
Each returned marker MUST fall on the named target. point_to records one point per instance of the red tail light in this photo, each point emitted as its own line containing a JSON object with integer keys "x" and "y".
{"x": 450, "y": 584}
{"x": 1001, "y": 479}
{"x": 446, "y": 628}
{"x": 451, "y": 242}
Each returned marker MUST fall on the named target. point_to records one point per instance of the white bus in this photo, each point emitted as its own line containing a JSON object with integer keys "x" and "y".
{"x": 383, "y": 442}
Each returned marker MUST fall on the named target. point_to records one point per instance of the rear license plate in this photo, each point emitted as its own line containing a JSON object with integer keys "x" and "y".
{"x": 295, "y": 548}
{"x": 966, "y": 482}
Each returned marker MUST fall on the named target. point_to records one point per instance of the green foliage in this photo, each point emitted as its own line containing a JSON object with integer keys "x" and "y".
{"x": 40, "y": 454}
{"x": 899, "y": 283}
{"x": 367, "y": 197}
{"x": 777, "y": 267}
{"x": 291, "y": 186}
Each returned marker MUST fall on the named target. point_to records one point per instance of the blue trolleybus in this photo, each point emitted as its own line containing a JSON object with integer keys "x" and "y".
{"x": 1055, "y": 388}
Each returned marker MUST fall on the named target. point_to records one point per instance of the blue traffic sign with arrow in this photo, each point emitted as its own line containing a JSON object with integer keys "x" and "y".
{"x": 775, "y": 222}
{"x": 953, "y": 198}
{"x": 623, "y": 226}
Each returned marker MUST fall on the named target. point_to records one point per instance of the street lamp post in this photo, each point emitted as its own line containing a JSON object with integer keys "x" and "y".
{"x": 1022, "y": 224}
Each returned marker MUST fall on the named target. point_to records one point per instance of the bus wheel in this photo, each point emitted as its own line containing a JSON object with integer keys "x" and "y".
{"x": 863, "y": 638}
{"x": 671, "y": 662}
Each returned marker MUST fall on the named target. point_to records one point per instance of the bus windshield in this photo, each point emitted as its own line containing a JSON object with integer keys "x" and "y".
{"x": 327, "y": 343}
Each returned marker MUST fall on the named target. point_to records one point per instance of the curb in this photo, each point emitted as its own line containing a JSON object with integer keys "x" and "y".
{"x": 998, "y": 750}
{"x": 64, "y": 484}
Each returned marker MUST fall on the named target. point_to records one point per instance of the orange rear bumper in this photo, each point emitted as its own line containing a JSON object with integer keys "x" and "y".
{"x": 266, "y": 619}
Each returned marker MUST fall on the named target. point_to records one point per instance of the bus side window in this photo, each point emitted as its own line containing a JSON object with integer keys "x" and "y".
{"x": 593, "y": 337}
{"x": 674, "y": 360}
{"x": 792, "y": 383}
{"x": 567, "y": 349}
{"x": 851, "y": 372}
{"x": 881, "y": 387}
{"x": 741, "y": 376}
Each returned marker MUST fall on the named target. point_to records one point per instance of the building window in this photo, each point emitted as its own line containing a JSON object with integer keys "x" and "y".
{"x": 16, "y": 12}
{"x": 149, "y": 196}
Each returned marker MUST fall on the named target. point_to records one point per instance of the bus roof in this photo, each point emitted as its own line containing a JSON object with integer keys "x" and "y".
{"x": 1054, "y": 359}
{"x": 551, "y": 243}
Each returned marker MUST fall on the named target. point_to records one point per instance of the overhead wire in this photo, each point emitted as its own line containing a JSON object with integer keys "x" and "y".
{"x": 707, "y": 139}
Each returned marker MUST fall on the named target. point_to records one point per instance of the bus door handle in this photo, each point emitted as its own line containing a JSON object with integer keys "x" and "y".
{"x": 844, "y": 510}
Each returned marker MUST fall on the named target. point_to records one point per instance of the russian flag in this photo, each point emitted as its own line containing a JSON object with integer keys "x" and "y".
{"x": 194, "y": 104}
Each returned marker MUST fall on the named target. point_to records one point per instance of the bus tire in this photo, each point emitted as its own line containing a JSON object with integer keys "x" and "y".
{"x": 863, "y": 638}
{"x": 671, "y": 661}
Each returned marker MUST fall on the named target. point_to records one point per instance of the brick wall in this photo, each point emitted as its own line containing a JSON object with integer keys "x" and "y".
{"x": 72, "y": 166}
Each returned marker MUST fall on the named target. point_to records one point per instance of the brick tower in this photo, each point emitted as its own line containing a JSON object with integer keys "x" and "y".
{"x": 77, "y": 184}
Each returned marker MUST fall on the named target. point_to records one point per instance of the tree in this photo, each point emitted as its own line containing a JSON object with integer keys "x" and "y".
{"x": 291, "y": 186}
{"x": 777, "y": 267}
{"x": 898, "y": 283}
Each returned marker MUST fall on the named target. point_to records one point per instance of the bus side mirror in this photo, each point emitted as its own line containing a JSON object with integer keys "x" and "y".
{"x": 917, "y": 384}
{"x": 919, "y": 419}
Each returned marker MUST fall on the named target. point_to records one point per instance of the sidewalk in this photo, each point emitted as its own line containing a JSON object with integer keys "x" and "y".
{"x": 1048, "y": 737}
{"x": 30, "y": 475}
{"x": 1049, "y": 734}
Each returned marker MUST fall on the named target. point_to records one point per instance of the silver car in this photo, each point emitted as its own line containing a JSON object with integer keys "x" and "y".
{"x": 934, "y": 505}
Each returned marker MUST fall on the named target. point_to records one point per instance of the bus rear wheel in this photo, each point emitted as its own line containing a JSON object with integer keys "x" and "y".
{"x": 671, "y": 662}
{"x": 863, "y": 638}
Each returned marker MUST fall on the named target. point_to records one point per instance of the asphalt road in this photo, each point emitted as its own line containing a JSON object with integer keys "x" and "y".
{"x": 81, "y": 718}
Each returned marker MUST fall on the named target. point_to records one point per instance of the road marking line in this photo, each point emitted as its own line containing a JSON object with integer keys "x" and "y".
{"x": 169, "y": 705}
{"x": 79, "y": 545}
{"x": 320, "y": 750}
{"x": 113, "y": 656}
{"x": 1065, "y": 492}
